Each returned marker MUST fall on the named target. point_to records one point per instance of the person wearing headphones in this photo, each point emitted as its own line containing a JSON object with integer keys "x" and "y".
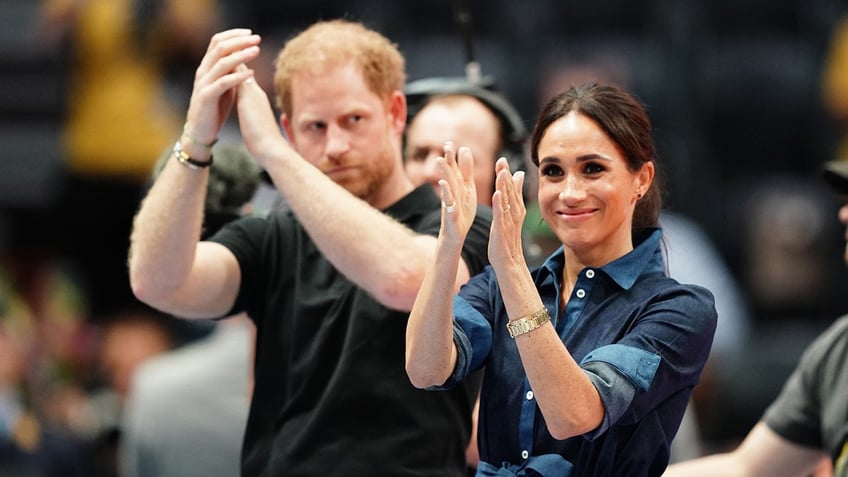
{"x": 468, "y": 114}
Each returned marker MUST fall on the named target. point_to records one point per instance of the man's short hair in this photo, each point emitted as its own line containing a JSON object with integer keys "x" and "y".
{"x": 337, "y": 42}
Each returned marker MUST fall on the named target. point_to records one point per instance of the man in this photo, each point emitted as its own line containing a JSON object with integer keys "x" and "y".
{"x": 805, "y": 430}
{"x": 468, "y": 114}
{"x": 328, "y": 284}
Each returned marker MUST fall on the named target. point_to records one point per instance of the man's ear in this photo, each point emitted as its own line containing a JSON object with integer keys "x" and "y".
{"x": 397, "y": 110}
{"x": 285, "y": 124}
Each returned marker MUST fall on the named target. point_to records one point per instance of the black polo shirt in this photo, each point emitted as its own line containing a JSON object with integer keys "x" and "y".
{"x": 331, "y": 394}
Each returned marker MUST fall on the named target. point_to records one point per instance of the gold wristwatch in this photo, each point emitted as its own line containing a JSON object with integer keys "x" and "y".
{"x": 528, "y": 323}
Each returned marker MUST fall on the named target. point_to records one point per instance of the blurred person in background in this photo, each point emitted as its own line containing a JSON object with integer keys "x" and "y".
{"x": 129, "y": 338}
{"x": 835, "y": 83}
{"x": 805, "y": 429}
{"x": 468, "y": 114}
{"x": 36, "y": 371}
{"x": 125, "y": 58}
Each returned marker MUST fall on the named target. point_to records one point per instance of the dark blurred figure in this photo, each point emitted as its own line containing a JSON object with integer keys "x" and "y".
{"x": 835, "y": 84}
{"x": 129, "y": 338}
{"x": 121, "y": 112}
{"x": 805, "y": 430}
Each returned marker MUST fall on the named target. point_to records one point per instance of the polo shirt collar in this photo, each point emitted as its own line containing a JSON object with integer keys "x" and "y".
{"x": 422, "y": 200}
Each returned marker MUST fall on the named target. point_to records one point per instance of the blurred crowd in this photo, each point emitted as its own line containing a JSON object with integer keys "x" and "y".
{"x": 747, "y": 97}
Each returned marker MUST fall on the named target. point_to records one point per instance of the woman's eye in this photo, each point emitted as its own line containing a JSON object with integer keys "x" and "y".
{"x": 593, "y": 168}
{"x": 552, "y": 170}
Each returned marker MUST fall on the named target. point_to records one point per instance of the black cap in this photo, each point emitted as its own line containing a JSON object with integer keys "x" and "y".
{"x": 835, "y": 173}
{"x": 417, "y": 92}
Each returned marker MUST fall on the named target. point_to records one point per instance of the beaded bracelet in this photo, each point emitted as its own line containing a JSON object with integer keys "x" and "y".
{"x": 187, "y": 161}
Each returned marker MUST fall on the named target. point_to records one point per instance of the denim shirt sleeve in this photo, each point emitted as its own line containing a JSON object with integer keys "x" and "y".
{"x": 472, "y": 330}
{"x": 663, "y": 353}
{"x": 618, "y": 373}
{"x": 472, "y": 335}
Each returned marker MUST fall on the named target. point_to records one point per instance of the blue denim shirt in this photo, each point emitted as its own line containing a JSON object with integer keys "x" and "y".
{"x": 640, "y": 336}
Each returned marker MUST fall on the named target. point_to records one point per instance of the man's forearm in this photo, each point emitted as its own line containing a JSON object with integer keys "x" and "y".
{"x": 375, "y": 251}
{"x": 165, "y": 232}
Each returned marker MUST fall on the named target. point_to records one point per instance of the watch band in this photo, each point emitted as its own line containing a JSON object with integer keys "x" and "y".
{"x": 528, "y": 323}
{"x": 187, "y": 161}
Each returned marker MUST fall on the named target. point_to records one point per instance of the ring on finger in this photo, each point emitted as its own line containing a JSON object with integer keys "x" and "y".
{"x": 450, "y": 208}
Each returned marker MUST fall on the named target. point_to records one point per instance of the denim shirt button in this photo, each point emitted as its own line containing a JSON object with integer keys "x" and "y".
{"x": 590, "y": 274}
{"x": 581, "y": 293}
{"x": 529, "y": 395}
{"x": 525, "y": 454}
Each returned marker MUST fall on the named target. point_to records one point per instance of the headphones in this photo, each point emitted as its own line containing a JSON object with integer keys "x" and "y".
{"x": 513, "y": 130}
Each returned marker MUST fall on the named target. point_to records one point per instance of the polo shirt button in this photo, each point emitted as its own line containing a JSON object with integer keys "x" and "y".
{"x": 581, "y": 293}
{"x": 590, "y": 274}
{"x": 529, "y": 395}
{"x": 525, "y": 454}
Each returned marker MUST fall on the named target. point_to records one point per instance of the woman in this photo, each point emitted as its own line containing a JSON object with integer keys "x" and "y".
{"x": 591, "y": 358}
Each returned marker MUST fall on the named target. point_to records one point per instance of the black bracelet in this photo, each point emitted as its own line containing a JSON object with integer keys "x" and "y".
{"x": 187, "y": 161}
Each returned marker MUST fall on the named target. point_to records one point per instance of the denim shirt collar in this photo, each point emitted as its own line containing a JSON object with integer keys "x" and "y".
{"x": 646, "y": 257}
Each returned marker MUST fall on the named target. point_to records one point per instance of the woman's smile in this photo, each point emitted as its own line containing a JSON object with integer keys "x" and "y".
{"x": 576, "y": 214}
